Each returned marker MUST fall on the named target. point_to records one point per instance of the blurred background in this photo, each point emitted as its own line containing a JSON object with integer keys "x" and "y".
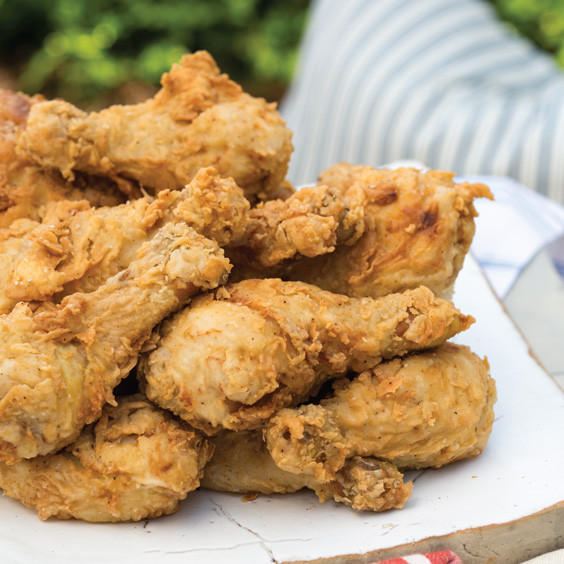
{"x": 98, "y": 53}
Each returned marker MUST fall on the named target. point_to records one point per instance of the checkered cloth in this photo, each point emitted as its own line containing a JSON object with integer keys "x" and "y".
{"x": 443, "y": 557}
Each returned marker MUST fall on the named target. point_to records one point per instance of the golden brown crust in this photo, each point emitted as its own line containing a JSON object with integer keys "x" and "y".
{"x": 424, "y": 410}
{"x": 26, "y": 190}
{"x": 337, "y": 278}
{"x": 233, "y": 359}
{"x": 199, "y": 118}
{"x": 413, "y": 228}
{"x": 242, "y": 464}
{"x": 60, "y": 363}
{"x": 76, "y": 248}
{"x": 13, "y": 243}
{"x": 309, "y": 223}
{"x": 137, "y": 462}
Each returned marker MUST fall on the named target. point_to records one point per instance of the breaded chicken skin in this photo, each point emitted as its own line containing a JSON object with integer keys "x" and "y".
{"x": 242, "y": 464}
{"x": 26, "y": 190}
{"x": 424, "y": 410}
{"x": 79, "y": 248}
{"x": 13, "y": 243}
{"x": 411, "y": 228}
{"x": 136, "y": 462}
{"x": 199, "y": 118}
{"x": 309, "y": 223}
{"x": 59, "y": 364}
{"x": 232, "y": 359}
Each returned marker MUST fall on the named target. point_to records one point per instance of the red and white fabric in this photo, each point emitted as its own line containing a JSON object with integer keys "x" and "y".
{"x": 442, "y": 557}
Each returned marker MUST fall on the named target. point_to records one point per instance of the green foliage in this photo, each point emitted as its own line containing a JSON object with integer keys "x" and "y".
{"x": 82, "y": 49}
{"x": 79, "y": 49}
{"x": 542, "y": 21}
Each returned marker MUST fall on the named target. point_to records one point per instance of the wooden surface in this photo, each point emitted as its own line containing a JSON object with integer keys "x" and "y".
{"x": 506, "y": 543}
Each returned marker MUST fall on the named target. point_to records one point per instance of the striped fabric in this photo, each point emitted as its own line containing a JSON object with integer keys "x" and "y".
{"x": 439, "y": 81}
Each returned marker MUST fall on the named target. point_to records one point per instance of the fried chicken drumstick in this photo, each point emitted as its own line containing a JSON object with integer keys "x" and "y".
{"x": 199, "y": 118}
{"x": 424, "y": 410}
{"x": 59, "y": 364}
{"x": 364, "y": 232}
{"x": 232, "y": 359}
{"x": 27, "y": 190}
{"x": 136, "y": 462}
{"x": 79, "y": 248}
{"x": 242, "y": 464}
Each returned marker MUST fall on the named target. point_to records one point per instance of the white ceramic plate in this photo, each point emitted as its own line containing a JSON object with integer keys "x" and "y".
{"x": 518, "y": 475}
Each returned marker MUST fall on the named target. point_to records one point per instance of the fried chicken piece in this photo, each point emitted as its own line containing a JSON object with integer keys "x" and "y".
{"x": 414, "y": 229}
{"x": 137, "y": 462}
{"x": 17, "y": 246}
{"x": 199, "y": 118}
{"x": 234, "y": 358}
{"x": 78, "y": 250}
{"x": 423, "y": 410}
{"x": 283, "y": 191}
{"x": 242, "y": 464}
{"x": 309, "y": 223}
{"x": 12, "y": 244}
{"x": 343, "y": 175}
{"x": 26, "y": 190}
{"x": 59, "y": 364}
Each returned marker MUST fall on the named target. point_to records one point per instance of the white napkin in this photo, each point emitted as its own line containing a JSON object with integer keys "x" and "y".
{"x": 511, "y": 230}
{"x": 556, "y": 251}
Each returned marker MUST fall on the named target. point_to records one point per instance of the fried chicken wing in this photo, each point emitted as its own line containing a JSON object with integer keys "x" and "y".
{"x": 78, "y": 248}
{"x": 59, "y": 364}
{"x": 199, "y": 118}
{"x": 242, "y": 464}
{"x": 424, "y": 410}
{"x": 137, "y": 462}
{"x": 411, "y": 228}
{"x": 232, "y": 359}
{"x": 26, "y": 190}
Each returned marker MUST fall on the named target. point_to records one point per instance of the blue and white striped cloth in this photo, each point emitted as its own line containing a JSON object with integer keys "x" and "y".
{"x": 440, "y": 81}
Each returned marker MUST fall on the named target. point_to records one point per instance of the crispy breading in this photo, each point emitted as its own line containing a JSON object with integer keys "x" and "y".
{"x": 27, "y": 190}
{"x": 413, "y": 228}
{"x": 309, "y": 223}
{"x": 136, "y": 462}
{"x": 59, "y": 364}
{"x": 199, "y": 118}
{"x": 233, "y": 358}
{"x": 241, "y": 463}
{"x": 338, "y": 286}
{"x": 424, "y": 410}
{"x": 13, "y": 243}
{"x": 77, "y": 248}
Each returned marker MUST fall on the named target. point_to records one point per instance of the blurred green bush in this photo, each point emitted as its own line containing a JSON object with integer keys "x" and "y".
{"x": 82, "y": 49}
{"x": 86, "y": 50}
{"x": 540, "y": 20}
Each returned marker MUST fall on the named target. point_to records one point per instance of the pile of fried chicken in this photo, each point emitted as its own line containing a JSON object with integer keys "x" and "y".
{"x": 264, "y": 339}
